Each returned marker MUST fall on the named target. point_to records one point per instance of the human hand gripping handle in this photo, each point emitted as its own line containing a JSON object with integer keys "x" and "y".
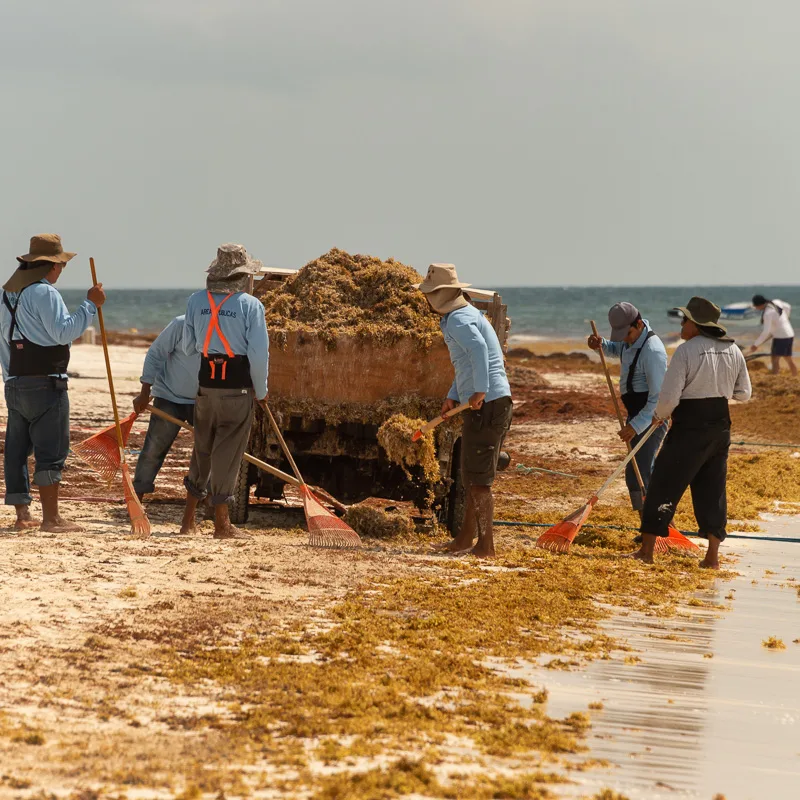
{"x": 429, "y": 426}
{"x": 618, "y": 471}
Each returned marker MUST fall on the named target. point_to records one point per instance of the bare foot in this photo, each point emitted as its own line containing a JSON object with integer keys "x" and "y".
{"x": 482, "y": 551}
{"x": 61, "y": 525}
{"x": 231, "y": 532}
{"x": 26, "y": 524}
{"x": 640, "y": 555}
{"x": 188, "y": 529}
{"x": 454, "y": 546}
{"x": 706, "y": 564}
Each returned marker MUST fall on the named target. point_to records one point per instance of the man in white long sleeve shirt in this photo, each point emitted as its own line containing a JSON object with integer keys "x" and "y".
{"x": 704, "y": 374}
{"x": 775, "y": 324}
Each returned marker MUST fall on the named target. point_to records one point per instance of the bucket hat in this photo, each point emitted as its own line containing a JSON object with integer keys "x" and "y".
{"x": 44, "y": 251}
{"x": 232, "y": 260}
{"x": 441, "y": 276}
{"x": 705, "y": 315}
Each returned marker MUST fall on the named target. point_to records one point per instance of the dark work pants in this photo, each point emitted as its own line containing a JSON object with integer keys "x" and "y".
{"x": 160, "y": 437}
{"x": 38, "y": 423}
{"x": 645, "y": 459}
{"x": 696, "y": 457}
{"x": 222, "y": 421}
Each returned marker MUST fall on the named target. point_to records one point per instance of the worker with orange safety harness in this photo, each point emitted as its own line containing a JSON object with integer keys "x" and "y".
{"x": 226, "y": 326}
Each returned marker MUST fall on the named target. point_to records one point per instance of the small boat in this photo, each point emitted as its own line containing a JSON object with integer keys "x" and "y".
{"x": 732, "y": 311}
{"x": 738, "y": 311}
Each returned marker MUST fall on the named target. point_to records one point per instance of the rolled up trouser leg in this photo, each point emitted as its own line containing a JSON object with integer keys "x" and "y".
{"x": 47, "y": 404}
{"x": 709, "y": 489}
{"x": 684, "y": 456}
{"x": 18, "y": 447}
{"x": 161, "y": 435}
{"x": 223, "y": 418}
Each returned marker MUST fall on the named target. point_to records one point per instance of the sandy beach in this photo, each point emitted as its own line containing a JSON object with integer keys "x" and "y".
{"x": 188, "y": 667}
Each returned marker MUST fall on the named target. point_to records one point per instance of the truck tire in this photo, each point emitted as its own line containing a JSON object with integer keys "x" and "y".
{"x": 456, "y": 497}
{"x": 238, "y": 509}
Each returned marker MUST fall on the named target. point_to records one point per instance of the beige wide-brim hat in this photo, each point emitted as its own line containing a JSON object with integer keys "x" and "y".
{"x": 441, "y": 276}
{"x": 44, "y": 251}
{"x": 232, "y": 260}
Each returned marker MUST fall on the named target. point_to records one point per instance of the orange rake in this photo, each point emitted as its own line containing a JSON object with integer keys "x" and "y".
{"x": 676, "y": 539}
{"x": 429, "y": 426}
{"x": 560, "y": 536}
{"x": 140, "y": 525}
{"x": 324, "y": 529}
{"x": 101, "y": 450}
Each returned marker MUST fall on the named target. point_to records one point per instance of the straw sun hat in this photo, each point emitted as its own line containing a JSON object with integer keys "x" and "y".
{"x": 44, "y": 251}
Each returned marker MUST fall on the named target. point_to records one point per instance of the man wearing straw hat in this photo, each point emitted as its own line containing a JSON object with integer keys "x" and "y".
{"x": 643, "y": 362}
{"x": 36, "y": 330}
{"x": 480, "y": 379}
{"x": 704, "y": 374}
{"x": 226, "y": 326}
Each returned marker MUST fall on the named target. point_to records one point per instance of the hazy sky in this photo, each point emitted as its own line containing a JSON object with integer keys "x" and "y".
{"x": 529, "y": 142}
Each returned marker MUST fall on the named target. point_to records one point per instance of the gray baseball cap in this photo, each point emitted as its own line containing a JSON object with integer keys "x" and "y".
{"x": 621, "y": 316}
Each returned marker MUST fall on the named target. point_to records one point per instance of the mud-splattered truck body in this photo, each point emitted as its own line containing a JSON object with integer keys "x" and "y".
{"x": 330, "y": 401}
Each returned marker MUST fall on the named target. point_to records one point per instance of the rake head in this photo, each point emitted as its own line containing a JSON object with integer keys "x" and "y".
{"x": 559, "y": 538}
{"x": 101, "y": 450}
{"x": 677, "y": 541}
{"x": 140, "y": 525}
{"x": 324, "y": 528}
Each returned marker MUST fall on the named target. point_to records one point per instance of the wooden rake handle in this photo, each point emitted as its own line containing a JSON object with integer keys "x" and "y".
{"x": 274, "y": 471}
{"x": 104, "y": 340}
{"x": 429, "y": 426}
{"x": 617, "y": 408}
{"x": 283, "y": 444}
{"x": 618, "y": 471}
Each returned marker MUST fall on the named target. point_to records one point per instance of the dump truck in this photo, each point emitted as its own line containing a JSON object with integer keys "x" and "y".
{"x": 330, "y": 402}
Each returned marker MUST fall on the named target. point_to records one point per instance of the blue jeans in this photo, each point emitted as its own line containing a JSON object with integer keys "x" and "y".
{"x": 38, "y": 423}
{"x": 160, "y": 436}
{"x": 644, "y": 459}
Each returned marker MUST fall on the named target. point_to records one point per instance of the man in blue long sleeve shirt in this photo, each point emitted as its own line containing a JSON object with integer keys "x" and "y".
{"x": 643, "y": 364}
{"x": 171, "y": 374}
{"x": 480, "y": 379}
{"x": 36, "y": 331}
{"x": 226, "y": 327}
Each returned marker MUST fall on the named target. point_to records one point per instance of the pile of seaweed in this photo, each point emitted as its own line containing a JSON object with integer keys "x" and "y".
{"x": 378, "y": 523}
{"x": 359, "y": 295}
{"x": 394, "y": 436}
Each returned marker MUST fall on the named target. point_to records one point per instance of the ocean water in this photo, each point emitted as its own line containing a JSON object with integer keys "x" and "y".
{"x": 536, "y": 312}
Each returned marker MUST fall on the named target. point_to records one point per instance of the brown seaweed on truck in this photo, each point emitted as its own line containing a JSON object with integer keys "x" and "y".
{"x": 353, "y": 343}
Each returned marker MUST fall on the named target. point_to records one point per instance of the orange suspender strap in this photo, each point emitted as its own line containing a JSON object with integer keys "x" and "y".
{"x": 213, "y": 325}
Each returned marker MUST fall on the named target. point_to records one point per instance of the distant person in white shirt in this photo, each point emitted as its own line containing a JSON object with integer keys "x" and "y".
{"x": 775, "y": 323}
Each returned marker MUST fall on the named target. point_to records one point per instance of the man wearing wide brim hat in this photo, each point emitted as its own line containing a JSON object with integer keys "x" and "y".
{"x": 705, "y": 373}
{"x": 36, "y": 330}
{"x": 480, "y": 379}
{"x": 226, "y": 326}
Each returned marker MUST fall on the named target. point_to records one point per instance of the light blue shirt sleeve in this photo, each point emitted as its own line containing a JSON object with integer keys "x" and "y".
{"x": 55, "y": 318}
{"x": 654, "y": 363}
{"x": 155, "y": 361}
{"x": 613, "y": 349}
{"x": 471, "y": 339}
{"x": 258, "y": 347}
{"x": 189, "y": 340}
{"x": 453, "y": 393}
